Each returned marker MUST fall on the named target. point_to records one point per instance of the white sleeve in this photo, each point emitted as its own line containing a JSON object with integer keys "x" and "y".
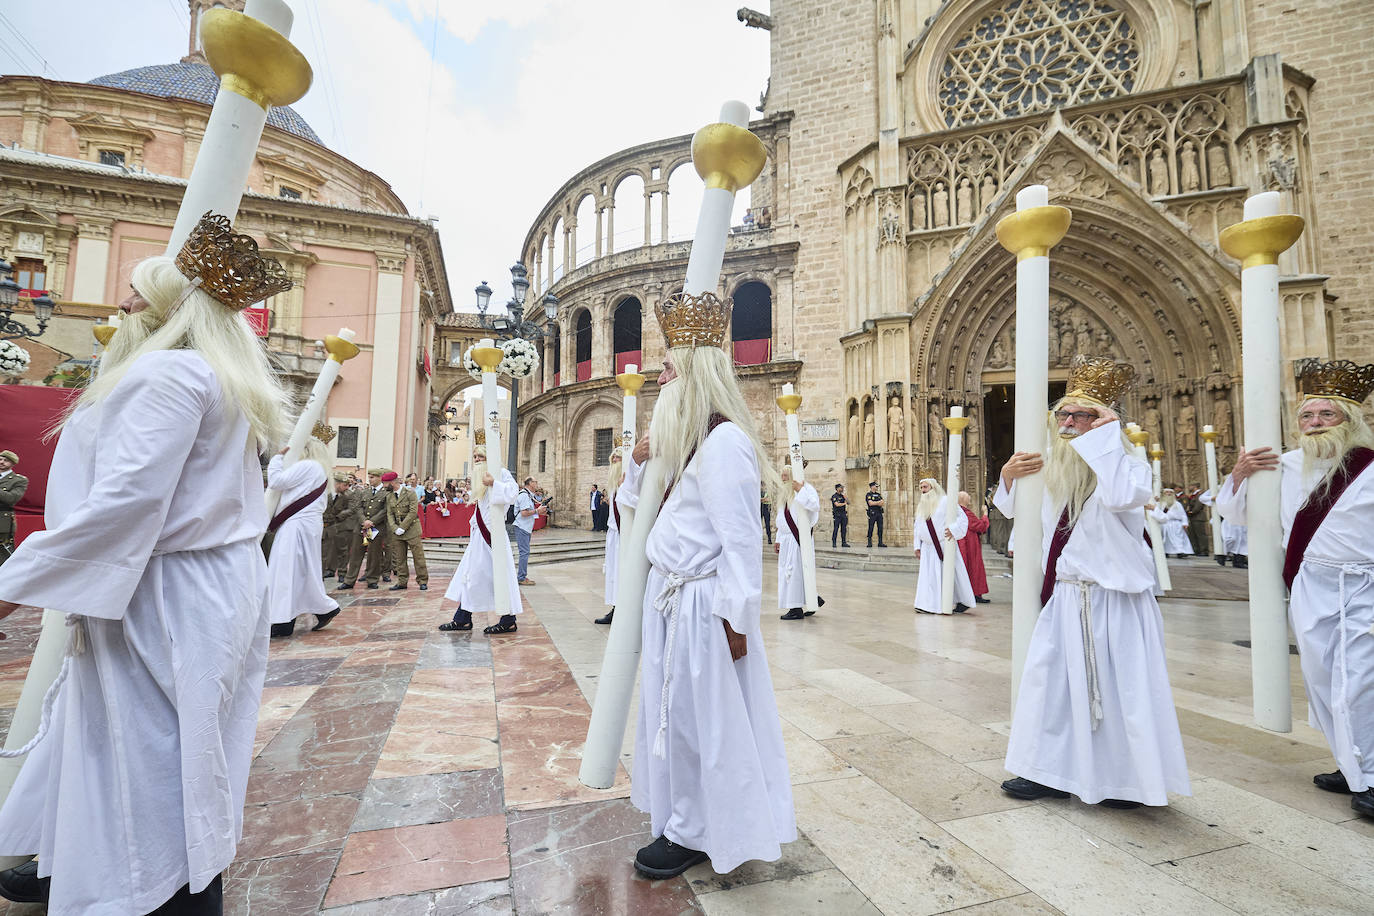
{"x": 628, "y": 494}
{"x": 1232, "y": 499}
{"x": 810, "y": 500}
{"x": 1005, "y": 498}
{"x": 733, "y": 497}
{"x": 503, "y": 490}
{"x": 1123, "y": 481}
{"x": 958, "y": 527}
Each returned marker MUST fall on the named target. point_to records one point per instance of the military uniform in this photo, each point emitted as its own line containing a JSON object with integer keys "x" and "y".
{"x": 374, "y": 505}
{"x": 403, "y": 514}
{"x": 343, "y": 519}
{"x": 12, "y": 488}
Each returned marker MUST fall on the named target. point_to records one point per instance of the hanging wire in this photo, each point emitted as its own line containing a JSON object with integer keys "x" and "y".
{"x": 429, "y": 94}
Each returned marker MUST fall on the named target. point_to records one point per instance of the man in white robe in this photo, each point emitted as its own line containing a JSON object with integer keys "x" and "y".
{"x": 293, "y": 586}
{"x": 931, "y": 511}
{"x": 1234, "y": 538}
{"x": 1173, "y": 524}
{"x": 134, "y": 797}
{"x": 1326, "y": 507}
{"x": 709, "y": 764}
{"x": 791, "y": 578}
{"x": 472, "y": 585}
{"x": 1095, "y": 714}
{"x": 611, "y": 567}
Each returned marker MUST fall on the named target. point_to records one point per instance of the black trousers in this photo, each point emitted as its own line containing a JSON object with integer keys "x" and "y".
{"x": 209, "y": 902}
{"x": 840, "y": 526}
{"x": 767, "y": 523}
{"x": 875, "y": 518}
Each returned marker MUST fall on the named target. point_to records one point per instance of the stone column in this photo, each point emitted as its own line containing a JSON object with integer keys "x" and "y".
{"x": 663, "y": 214}
{"x": 648, "y": 217}
{"x": 610, "y": 226}
{"x": 386, "y": 357}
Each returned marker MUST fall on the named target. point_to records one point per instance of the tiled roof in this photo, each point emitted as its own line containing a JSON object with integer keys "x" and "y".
{"x": 198, "y": 83}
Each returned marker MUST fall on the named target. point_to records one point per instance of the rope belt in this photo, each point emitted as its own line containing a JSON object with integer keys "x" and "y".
{"x": 1085, "y": 626}
{"x": 668, "y": 603}
{"x": 76, "y": 645}
{"x": 1364, "y": 571}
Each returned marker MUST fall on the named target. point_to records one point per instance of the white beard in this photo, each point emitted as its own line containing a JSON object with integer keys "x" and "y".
{"x": 928, "y": 503}
{"x": 666, "y": 431}
{"x": 1068, "y": 478}
{"x": 479, "y": 489}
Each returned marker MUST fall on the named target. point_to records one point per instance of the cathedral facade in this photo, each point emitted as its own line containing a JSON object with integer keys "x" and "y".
{"x": 898, "y": 132}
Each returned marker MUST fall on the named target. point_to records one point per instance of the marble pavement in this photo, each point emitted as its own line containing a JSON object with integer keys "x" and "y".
{"x": 399, "y": 771}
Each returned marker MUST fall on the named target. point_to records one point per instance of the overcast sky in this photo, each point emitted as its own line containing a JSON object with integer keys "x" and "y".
{"x": 517, "y": 97}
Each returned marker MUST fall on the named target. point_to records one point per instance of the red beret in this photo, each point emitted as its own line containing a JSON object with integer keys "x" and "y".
{"x": 389, "y": 475}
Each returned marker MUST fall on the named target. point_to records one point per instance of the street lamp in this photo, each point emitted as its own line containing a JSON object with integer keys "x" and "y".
{"x": 511, "y": 325}
{"x": 9, "y": 298}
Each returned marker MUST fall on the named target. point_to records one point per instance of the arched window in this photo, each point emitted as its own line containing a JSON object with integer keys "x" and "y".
{"x": 751, "y": 324}
{"x": 1023, "y": 56}
{"x": 625, "y": 335}
{"x": 582, "y": 343}
{"x": 557, "y": 355}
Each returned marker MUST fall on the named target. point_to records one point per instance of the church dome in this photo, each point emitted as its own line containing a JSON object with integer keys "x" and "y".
{"x": 198, "y": 83}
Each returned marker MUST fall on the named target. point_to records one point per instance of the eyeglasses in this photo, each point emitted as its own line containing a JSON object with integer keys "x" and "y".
{"x": 1078, "y": 416}
{"x": 1307, "y": 415}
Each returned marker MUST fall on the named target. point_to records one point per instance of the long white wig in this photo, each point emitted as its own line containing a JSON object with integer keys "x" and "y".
{"x": 930, "y": 500}
{"x": 1068, "y": 478}
{"x": 219, "y": 334}
{"x": 1331, "y": 444}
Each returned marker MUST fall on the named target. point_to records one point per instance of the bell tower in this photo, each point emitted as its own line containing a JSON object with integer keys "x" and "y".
{"x": 193, "y": 52}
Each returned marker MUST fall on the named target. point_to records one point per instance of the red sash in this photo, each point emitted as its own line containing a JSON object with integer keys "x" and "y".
{"x": 1057, "y": 543}
{"x": 1318, "y": 505}
{"x": 939, "y": 551}
{"x": 296, "y": 506}
{"x": 481, "y": 524}
{"x": 791, "y": 524}
{"x": 616, "y": 510}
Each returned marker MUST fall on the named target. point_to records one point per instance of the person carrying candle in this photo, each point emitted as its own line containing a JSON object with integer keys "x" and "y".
{"x": 1326, "y": 508}
{"x": 787, "y": 545}
{"x": 932, "y": 537}
{"x": 709, "y": 763}
{"x": 293, "y": 588}
{"x": 472, "y": 582}
{"x": 1173, "y": 522}
{"x": 611, "y": 566}
{"x": 135, "y": 794}
{"x": 1095, "y": 714}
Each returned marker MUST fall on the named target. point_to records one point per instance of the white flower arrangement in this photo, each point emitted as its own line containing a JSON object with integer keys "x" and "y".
{"x": 14, "y": 359}
{"x": 521, "y": 360}
{"x": 470, "y": 364}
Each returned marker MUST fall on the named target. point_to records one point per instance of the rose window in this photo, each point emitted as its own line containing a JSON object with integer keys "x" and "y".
{"x": 1025, "y": 56}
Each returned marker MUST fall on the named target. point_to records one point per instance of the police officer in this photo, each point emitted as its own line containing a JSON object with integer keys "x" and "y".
{"x": 874, "y": 502}
{"x": 839, "y": 523}
{"x": 342, "y": 519}
{"x": 403, "y": 527}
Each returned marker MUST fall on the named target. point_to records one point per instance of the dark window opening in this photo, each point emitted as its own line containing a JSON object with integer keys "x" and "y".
{"x": 288, "y": 193}
{"x": 601, "y": 454}
{"x": 111, "y": 157}
{"x": 348, "y": 442}
{"x": 751, "y": 325}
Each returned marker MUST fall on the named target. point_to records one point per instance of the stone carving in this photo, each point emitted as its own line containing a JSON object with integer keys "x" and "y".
{"x": 937, "y": 429}
{"x": 896, "y": 426}
{"x": 917, "y": 205}
{"x": 940, "y": 206}
{"x": 1218, "y": 168}
{"x": 1222, "y": 420}
{"x": 890, "y": 216}
{"x": 1083, "y": 336}
{"x": 1188, "y": 173}
{"x": 972, "y": 433}
{"x": 1159, "y": 174}
{"x": 1282, "y": 168}
{"x": 855, "y": 427}
{"x": 997, "y": 356}
{"x": 965, "y": 201}
{"x": 987, "y": 191}
{"x": 870, "y": 447}
{"x": 1152, "y": 421}
{"x": 1185, "y": 426}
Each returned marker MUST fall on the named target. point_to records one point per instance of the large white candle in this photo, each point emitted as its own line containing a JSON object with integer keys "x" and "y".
{"x": 950, "y": 548}
{"x": 713, "y": 222}
{"x": 1266, "y": 203}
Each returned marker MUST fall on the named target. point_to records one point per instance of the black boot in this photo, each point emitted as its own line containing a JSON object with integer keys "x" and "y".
{"x": 284, "y": 629}
{"x": 665, "y": 859}
{"x": 22, "y": 884}
{"x": 605, "y": 619}
{"x": 1029, "y": 790}
{"x": 1363, "y": 802}
{"x": 324, "y": 619}
{"x": 793, "y": 614}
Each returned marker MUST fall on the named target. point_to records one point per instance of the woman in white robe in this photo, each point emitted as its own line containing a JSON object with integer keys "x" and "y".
{"x": 472, "y": 585}
{"x": 138, "y": 787}
{"x": 1173, "y": 522}
{"x": 930, "y": 579}
{"x": 294, "y": 586}
{"x": 791, "y": 581}
{"x": 610, "y": 567}
{"x": 721, "y": 785}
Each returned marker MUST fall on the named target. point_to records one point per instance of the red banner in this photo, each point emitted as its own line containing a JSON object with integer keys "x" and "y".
{"x": 29, "y": 412}
{"x": 258, "y": 320}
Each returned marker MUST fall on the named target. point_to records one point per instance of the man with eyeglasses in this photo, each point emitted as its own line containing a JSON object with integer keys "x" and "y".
{"x": 1326, "y": 505}
{"x": 1094, "y": 715}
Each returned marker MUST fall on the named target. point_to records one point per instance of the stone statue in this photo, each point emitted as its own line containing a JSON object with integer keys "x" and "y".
{"x": 896, "y": 426}
{"x": 987, "y": 191}
{"x": 1218, "y": 169}
{"x": 1083, "y": 336}
{"x": 937, "y": 429}
{"x": 1152, "y": 421}
{"x": 997, "y": 356}
{"x": 1159, "y": 174}
{"x": 1189, "y": 177}
{"x": 971, "y": 431}
{"x": 1104, "y": 342}
{"x": 1185, "y": 426}
{"x": 917, "y": 206}
{"x": 855, "y": 442}
{"x": 1065, "y": 333}
{"x": 940, "y": 203}
{"x": 869, "y": 445}
{"x": 964, "y": 201}
{"x": 1222, "y": 421}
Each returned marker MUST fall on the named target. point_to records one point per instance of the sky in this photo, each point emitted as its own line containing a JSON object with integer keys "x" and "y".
{"x": 515, "y": 98}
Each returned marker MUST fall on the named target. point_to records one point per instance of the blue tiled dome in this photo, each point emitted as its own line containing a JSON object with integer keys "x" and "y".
{"x": 197, "y": 82}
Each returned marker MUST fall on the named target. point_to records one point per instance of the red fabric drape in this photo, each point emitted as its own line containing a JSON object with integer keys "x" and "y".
{"x": 627, "y": 358}
{"x": 971, "y": 548}
{"x": 27, "y": 412}
{"x": 752, "y": 352}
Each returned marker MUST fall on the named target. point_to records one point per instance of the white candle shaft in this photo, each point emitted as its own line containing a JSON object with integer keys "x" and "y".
{"x": 1153, "y": 528}
{"x": 794, "y": 447}
{"x": 1266, "y": 203}
{"x": 627, "y": 421}
{"x": 496, "y": 517}
{"x": 1213, "y": 520}
{"x": 947, "y": 573}
{"x": 311, "y": 413}
{"x": 802, "y": 516}
{"x": 713, "y": 222}
{"x": 789, "y": 388}
{"x": 631, "y": 369}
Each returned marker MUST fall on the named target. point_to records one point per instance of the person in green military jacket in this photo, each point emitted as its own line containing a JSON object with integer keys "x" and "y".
{"x": 343, "y": 518}
{"x": 376, "y": 499}
{"x": 12, "y": 488}
{"x": 403, "y": 527}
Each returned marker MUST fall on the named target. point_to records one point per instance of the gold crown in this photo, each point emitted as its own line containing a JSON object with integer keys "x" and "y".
{"x": 1340, "y": 379}
{"x": 927, "y": 474}
{"x": 324, "y": 432}
{"x": 1098, "y": 379}
{"x": 479, "y": 437}
{"x": 693, "y": 321}
{"x": 228, "y": 265}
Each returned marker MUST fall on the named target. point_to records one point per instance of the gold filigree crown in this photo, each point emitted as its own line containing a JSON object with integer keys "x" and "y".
{"x": 927, "y": 474}
{"x": 324, "y": 432}
{"x": 1099, "y": 379}
{"x": 693, "y": 321}
{"x": 1340, "y": 379}
{"x": 479, "y": 437}
{"x": 228, "y": 264}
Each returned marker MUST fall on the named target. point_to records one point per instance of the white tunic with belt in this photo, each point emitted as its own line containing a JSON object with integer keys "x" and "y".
{"x": 1095, "y": 717}
{"x": 472, "y": 583}
{"x": 611, "y": 567}
{"x": 139, "y": 786}
{"x": 1332, "y": 610}
{"x": 930, "y": 579}
{"x": 1173, "y": 523}
{"x": 791, "y": 581}
{"x": 722, "y": 784}
{"x": 294, "y": 585}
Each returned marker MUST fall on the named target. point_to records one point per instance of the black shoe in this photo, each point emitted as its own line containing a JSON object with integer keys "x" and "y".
{"x": 344, "y": 588}
{"x": 1360, "y": 802}
{"x": 1221, "y": 561}
{"x": 398, "y": 588}
{"x": 22, "y": 884}
{"x": 960, "y": 608}
{"x": 425, "y": 587}
{"x": 870, "y": 543}
{"x": 372, "y": 585}
{"x": 324, "y": 620}
{"x": 386, "y": 578}
{"x": 1332, "y": 782}
{"x": 1028, "y": 790}
{"x": 665, "y": 859}
{"x": 1119, "y": 803}
{"x": 844, "y": 545}
{"x": 881, "y": 544}
{"x": 606, "y": 618}
{"x": 330, "y": 574}
{"x": 979, "y": 599}
{"x": 1240, "y": 562}
{"x": 793, "y": 614}
{"x": 284, "y": 629}
{"x": 462, "y": 620}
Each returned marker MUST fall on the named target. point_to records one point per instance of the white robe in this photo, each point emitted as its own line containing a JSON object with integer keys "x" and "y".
{"x": 723, "y": 786}
{"x": 791, "y": 581}
{"x": 611, "y": 568}
{"x": 1235, "y": 539}
{"x": 1173, "y": 523}
{"x": 472, "y": 582}
{"x": 153, "y": 535}
{"x": 930, "y": 578}
{"x": 294, "y": 584}
{"x": 1135, "y": 752}
{"x": 1335, "y": 641}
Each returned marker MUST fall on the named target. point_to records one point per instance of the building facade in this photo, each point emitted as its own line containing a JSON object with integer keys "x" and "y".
{"x": 91, "y": 178}
{"x": 898, "y": 131}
